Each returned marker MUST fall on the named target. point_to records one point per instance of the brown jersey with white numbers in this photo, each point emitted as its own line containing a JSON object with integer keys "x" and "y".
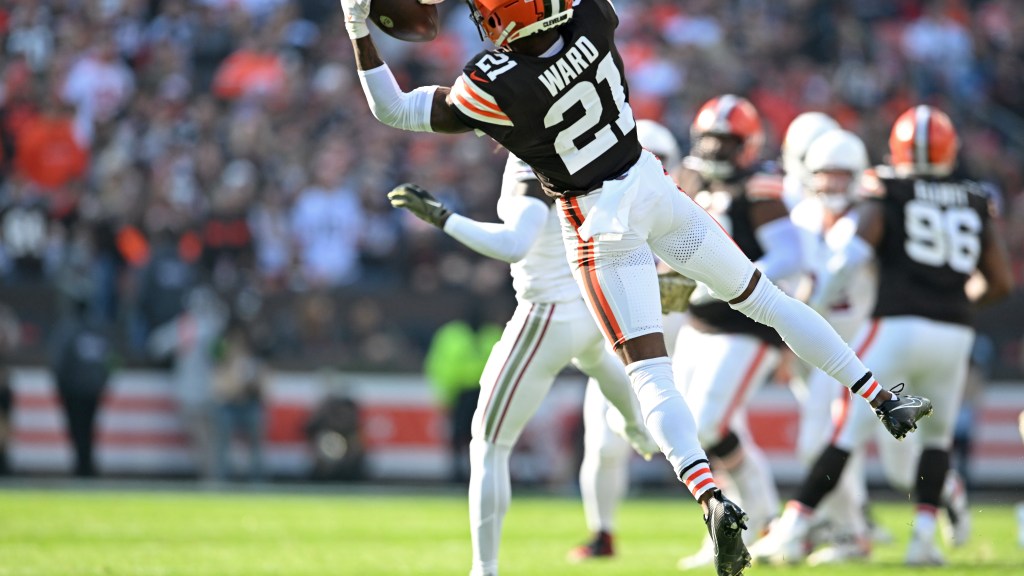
{"x": 566, "y": 115}
{"x": 934, "y": 229}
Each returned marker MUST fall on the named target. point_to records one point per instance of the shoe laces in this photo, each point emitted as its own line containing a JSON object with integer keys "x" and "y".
{"x": 898, "y": 389}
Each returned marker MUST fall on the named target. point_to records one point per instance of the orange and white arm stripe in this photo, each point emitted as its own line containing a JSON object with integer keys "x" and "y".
{"x": 477, "y": 104}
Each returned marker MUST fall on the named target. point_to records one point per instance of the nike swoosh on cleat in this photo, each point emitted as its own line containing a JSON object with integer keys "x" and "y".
{"x": 917, "y": 404}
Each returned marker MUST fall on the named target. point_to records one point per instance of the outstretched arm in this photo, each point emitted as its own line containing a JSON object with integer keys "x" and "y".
{"x": 523, "y": 218}
{"x": 425, "y": 109}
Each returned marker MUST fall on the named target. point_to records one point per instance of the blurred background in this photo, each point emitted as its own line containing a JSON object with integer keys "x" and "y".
{"x": 200, "y": 274}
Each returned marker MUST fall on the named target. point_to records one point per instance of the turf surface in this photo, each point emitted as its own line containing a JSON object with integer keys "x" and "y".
{"x": 68, "y": 533}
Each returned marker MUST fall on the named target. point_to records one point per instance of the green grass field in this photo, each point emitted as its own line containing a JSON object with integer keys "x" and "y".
{"x": 64, "y": 533}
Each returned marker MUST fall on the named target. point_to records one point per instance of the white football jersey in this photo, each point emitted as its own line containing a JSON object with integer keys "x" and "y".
{"x": 543, "y": 275}
{"x": 857, "y": 302}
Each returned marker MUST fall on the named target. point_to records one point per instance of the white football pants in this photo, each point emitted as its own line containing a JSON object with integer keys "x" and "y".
{"x": 538, "y": 342}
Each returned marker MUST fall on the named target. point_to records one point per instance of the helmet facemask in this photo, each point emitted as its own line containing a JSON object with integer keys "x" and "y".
{"x": 715, "y": 156}
{"x": 835, "y": 189}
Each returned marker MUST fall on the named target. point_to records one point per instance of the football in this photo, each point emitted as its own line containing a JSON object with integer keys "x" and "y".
{"x": 406, "y": 20}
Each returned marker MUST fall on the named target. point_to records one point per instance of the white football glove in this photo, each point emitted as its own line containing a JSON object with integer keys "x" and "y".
{"x": 356, "y": 13}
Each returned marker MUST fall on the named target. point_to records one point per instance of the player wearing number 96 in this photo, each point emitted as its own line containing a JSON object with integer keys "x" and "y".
{"x": 929, "y": 232}
{"x": 552, "y": 92}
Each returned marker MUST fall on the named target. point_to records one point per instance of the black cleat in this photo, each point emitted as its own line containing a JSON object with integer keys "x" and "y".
{"x": 600, "y": 547}
{"x": 726, "y": 523}
{"x": 900, "y": 415}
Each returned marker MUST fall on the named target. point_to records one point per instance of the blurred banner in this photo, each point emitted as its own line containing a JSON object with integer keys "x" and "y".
{"x": 402, "y": 430}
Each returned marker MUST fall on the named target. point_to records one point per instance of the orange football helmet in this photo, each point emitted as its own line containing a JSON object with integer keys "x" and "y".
{"x": 923, "y": 142}
{"x": 505, "y": 21}
{"x": 726, "y": 136}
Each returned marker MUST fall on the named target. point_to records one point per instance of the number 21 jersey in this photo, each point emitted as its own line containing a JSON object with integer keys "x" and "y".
{"x": 934, "y": 230}
{"x": 566, "y": 115}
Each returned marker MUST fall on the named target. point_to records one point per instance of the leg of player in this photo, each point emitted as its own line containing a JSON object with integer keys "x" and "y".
{"x": 787, "y": 541}
{"x": 717, "y": 374}
{"x": 695, "y": 246}
{"x": 518, "y": 375}
{"x": 624, "y": 418}
{"x": 604, "y": 475}
{"x": 839, "y": 527}
{"x": 946, "y": 348}
{"x": 618, "y": 279}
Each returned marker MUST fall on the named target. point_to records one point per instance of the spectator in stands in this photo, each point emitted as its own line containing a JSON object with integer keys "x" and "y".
{"x": 99, "y": 84}
{"x": 163, "y": 283}
{"x": 327, "y": 219}
{"x": 225, "y": 235}
{"x": 25, "y": 230}
{"x": 453, "y": 366}
{"x": 52, "y": 153}
{"x": 940, "y": 50}
{"x": 239, "y": 385}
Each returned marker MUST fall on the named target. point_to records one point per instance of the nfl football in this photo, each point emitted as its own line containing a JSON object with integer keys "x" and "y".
{"x": 406, "y": 20}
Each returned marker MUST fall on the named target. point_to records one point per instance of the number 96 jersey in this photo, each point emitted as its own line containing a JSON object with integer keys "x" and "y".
{"x": 567, "y": 115}
{"x": 934, "y": 230}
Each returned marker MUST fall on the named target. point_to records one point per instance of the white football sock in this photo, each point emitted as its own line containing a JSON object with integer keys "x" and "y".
{"x": 666, "y": 414}
{"x": 924, "y": 522}
{"x": 805, "y": 332}
{"x": 490, "y": 491}
{"x": 604, "y": 476}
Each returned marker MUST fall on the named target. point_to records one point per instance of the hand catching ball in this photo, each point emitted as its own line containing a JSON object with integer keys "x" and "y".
{"x": 408, "y": 20}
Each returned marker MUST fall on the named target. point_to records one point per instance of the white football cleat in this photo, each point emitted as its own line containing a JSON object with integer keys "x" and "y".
{"x": 845, "y": 549}
{"x": 785, "y": 543}
{"x": 955, "y": 524}
{"x": 923, "y": 551}
{"x": 703, "y": 557}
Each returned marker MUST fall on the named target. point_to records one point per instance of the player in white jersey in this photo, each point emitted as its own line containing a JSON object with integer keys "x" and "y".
{"x": 549, "y": 329}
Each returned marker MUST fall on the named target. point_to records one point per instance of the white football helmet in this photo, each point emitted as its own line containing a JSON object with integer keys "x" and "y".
{"x": 799, "y": 135}
{"x": 659, "y": 141}
{"x": 835, "y": 161}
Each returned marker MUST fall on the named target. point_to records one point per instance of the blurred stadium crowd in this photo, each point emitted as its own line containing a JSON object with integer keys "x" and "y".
{"x": 150, "y": 146}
